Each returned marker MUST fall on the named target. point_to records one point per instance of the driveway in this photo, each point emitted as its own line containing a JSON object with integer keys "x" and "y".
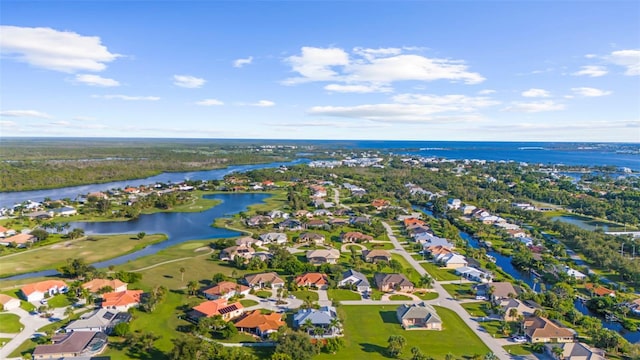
{"x": 31, "y": 324}
{"x": 323, "y": 298}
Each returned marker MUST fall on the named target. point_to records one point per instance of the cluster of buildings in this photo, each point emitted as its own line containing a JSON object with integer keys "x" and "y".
{"x": 350, "y": 162}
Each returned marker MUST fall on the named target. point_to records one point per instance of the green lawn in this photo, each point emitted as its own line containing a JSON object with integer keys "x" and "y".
{"x": 4, "y": 341}
{"x": 248, "y": 303}
{"x": 367, "y": 329}
{"x": 343, "y": 294}
{"x": 26, "y": 348}
{"x": 460, "y": 291}
{"x": 438, "y": 273}
{"x": 426, "y": 295}
{"x": 519, "y": 349}
{"x": 263, "y": 294}
{"x": 303, "y": 294}
{"x": 58, "y": 301}
{"x": 91, "y": 249}
{"x": 476, "y": 309}
{"x": 10, "y": 323}
{"x": 399, "y": 297}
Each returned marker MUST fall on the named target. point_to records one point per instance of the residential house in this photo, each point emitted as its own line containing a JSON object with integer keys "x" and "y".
{"x": 318, "y": 280}
{"x": 523, "y": 308}
{"x": 262, "y": 280}
{"x": 436, "y": 251}
{"x": 539, "y": 329}
{"x": 576, "y": 351}
{"x": 355, "y": 278}
{"x": 355, "y": 237}
{"x": 415, "y": 231}
{"x": 454, "y": 204}
{"x": 260, "y": 324}
{"x": 310, "y": 237}
{"x": 468, "y": 209}
{"x": 574, "y": 273}
{"x": 99, "y": 320}
{"x": 225, "y": 289}
{"x": 248, "y": 241}
{"x": 19, "y": 240}
{"x": 64, "y": 211}
{"x": 323, "y": 256}
{"x": 290, "y": 225}
{"x": 497, "y": 290}
{"x": 39, "y": 290}
{"x": 278, "y": 214}
{"x": 216, "y": 307}
{"x": 374, "y": 256}
{"x": 597, "y": 290}
{"x": 122, "y": 300}
{"x": 516, "y": 233}
{"x": 428, "y": 239}
{"x": 412, "y": 221}
{"x": 393, "y": 282}
{"x": 474, "y": 274}
{"x": 96, "y": 285}
{"x": 230, "y": 253}
{"x": 322, "y": 212}
{"x": 338, "y": 222}
{"x": 8, "y": 302}
{"x": 452, "y": 261}
{"x": 259, "y": 220}
{"x": 316, "y": 223}
{"x": 355, "y": 220}
{"x": 273, "y": 238}
{"x": 72, "y": 344}
{"x": 380, "y": 204}
{"x": 418, "y": 317}
{"x": 323, "y": 317}
{"x": 4, "y": 232}
{"x": 98, "y": 195}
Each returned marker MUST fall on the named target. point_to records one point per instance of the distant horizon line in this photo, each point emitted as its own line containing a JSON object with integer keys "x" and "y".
{"x": 301, "y": 140}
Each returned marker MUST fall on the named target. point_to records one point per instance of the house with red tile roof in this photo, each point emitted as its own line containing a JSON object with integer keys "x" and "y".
{"x": 260, "y": 324}
{"x": 225, "y": 289}
{"x": 413, "y": 221}
{"x": 4, "y": 232}
{"x": 319, "y": 280}
{"x": 379, "y": 204}
{"x": 220, "y": 307}
{"x": 121, "y": 300}
{"x": 19, "y": 240}
{"x": 39, "y": 290}
{"x": 96, "y": 285}
{"x": 599, "y": 290}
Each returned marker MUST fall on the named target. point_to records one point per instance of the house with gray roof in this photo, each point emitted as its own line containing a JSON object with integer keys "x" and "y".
{"x": 393, "y": 282}
{"x": 100, "y": 320}
{"x": 355, "y": 278}
{"x": 273, "y": 238}
{"x": 418, "y": 317}
{"x": 324, "y": 318}
{"x": 73, "y": 344}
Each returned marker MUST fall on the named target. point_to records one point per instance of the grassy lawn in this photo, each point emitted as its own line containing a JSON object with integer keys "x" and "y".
{"x": 24, "y": 349}
{"x": 58, "y": 301}
{"x": 303, "y": 294}
{"x": 439, "y": 274}
{"x": 367, "y": 329}
{"x": 248, "y": 303}
{"x": 476, "y": 309}
{"x": 460, "y": 291}
{"x": 10, "y": 323}
{"x": 380, "y": 246}
{"x": 91, "y": 249}
{"x": 263, "y": 294}
{"x": 4, "y": 341}
{"x": 519, "y": 349}
{"x": 399, "y": 297}
{"x": 493, "y": 327}
{"x": 426, "y": 295}
{"x": 343, "y": 294}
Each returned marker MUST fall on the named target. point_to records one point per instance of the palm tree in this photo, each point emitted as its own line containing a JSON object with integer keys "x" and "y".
{"x": 182, "y": 271}
{"x": 334, "y": 325}
{"x": 192, "y": 286}
{"x": 557, "y": 351}
{"x": 513, "y": 313}
{"x": 307, "y": 325}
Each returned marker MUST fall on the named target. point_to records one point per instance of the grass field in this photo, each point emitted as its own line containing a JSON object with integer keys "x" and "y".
{"x": 426, "y": 295}
{"x": 91, "y": 249}
{"x": 343, "y": 294}
{"x": 399, "y": 297}
{"x": 367, "y": 329}
{"x": 438, "y": 273}
{"x": 476, "y": 309}
{"x": 519, "y": 349}
{"x": 460, "y": 291}
{"x": 248, "y": 303}
{"x": 10, "y": 323}
{"x": 264, "y": 294}
{"x": 303, "y": 294}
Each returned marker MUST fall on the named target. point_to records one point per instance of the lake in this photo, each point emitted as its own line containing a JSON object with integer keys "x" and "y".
{"x": 178, "y": 226}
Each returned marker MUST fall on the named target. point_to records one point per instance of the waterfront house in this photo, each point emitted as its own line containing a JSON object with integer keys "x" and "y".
{"x": 539, "y": 329}
{"x": 122, "y": 300}
{"x": 575, "y": 351}
{"x": 522, "y": 308}
{"x": 393, "y": 282}
{"x": 498, "y": 290}
{"x": 474, "y": 274}
{"x": 355, "y": 278}
{"x": 452, "y": 261}
{"x": 597, "y": 290}
{"x": 96, "y": 285}
{"x": 262, "y": 280}
{"x": 39, "y": 290}
{"x": 418, "y": 317}
{"x": 273, "y": 238}
{"x": 19, "y": 240}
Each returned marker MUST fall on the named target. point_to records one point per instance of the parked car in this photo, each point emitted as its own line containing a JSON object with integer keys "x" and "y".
{"x": 480, "y": 297}
{"x": 519, "y": 339}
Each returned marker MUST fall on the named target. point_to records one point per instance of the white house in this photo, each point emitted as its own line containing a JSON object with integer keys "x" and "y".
{"x": 452, "y": 261}
{"x": 274, "y": 238}
{"x": 8, "y": 303}
{"x": 474, "y": 274}
{"x": 574, "y": 273}
{"x": 356, "y": 278}
{"x": 37, "y": 291}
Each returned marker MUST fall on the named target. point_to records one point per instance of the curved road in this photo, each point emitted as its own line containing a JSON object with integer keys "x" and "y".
{"x": 444, "y": 299}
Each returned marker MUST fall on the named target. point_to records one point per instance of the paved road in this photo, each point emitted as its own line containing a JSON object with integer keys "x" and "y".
{"x": 31, "y": 324}
{"x": 445, "y": 300}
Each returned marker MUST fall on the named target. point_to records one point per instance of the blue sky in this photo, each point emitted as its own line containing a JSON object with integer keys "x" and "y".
{"x": 520, "y": 71}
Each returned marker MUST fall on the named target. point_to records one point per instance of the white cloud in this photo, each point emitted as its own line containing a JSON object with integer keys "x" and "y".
{"x": 96, "y": 80}
{"x": 238, "y": 63}
{"x": 590, "y": 92}
{"x": 126, "y": 97}
{"x": 362, "y": 89}
{"x": 536, "y": 93}
{"x": 591, "y": 56}
{"x": 627, "y": 58}
{"x": 374, "y": 66}
{"x": 486, "y": 92}
{"x": 8, "y": 124}
{"x": 413, "y": 108}
{"x": 263, "y": 103}
{"x": 533, "y": 107}
{"x": 84, "y": 118}
{"x": 187, "y": 81}
{"x": 60, "y": 123}
{"x": 54, "y": 50}
{"x": 25, "y": 113}
{"x": 210, "y": 102}
{"x": 591, "y": 70}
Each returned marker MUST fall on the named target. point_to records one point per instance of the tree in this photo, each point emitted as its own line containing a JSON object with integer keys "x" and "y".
{"x": 76, "y": 233}
{"x": 192, "y": 286}
{"x": 297, "y": 345}
{"x": 141, "y": 235}
{"x": 557, "y": 351}
{"x": 395, "y": 345}
{"x": 182, "y": 271}
{"x": 426, "y": 281}
{"x": 40, "y": 234}
{"x": 490, "y": 356}
{"x": 513, "y": 313}
{"x": 121, "y": 329}
{"x": 281, "y": 356}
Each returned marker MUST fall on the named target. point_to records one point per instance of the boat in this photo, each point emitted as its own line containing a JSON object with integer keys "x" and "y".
{"x": 491, "y": 258}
